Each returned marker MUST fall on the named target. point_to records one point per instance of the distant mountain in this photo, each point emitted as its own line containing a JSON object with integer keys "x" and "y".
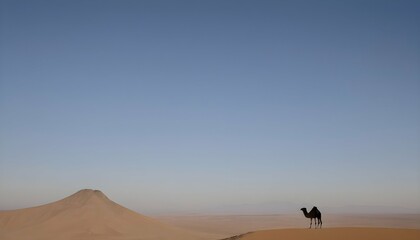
{"x": 254, "y": 208}
{"x": 365, "y": 209}
{"x": 269, "y": 208}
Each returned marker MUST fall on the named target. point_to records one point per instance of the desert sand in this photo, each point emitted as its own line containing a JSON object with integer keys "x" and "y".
{"x": 87, "y": 214}
{"x": 90, "y": 215}
{"x": 332, "y": 233}
{"x": 230, "y": 225}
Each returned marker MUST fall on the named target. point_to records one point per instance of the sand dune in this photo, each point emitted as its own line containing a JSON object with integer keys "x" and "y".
{"x": 87, "y": 214}
{"x": 230, "y": 225}
{"x": 332, "y": 234}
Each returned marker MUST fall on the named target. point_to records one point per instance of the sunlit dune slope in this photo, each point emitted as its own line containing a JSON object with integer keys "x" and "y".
{"x": 87, "y": 214}
{"x": 333, "y": 234}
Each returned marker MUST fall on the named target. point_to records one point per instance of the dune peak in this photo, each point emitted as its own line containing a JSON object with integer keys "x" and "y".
{"x": 90, "y": 191}
{"x": 87, "y": 195}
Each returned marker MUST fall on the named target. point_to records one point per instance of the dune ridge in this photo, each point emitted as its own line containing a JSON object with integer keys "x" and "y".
{"x": 332, "y": 233}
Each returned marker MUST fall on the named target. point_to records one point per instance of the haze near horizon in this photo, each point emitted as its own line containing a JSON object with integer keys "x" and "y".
{"x": 204, "y": 107}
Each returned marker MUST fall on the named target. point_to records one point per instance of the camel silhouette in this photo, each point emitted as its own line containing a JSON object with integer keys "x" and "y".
{"x": 314, "y": 213}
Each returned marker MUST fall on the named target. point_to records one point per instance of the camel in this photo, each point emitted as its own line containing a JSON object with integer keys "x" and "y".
{"x": 314, "y": 213}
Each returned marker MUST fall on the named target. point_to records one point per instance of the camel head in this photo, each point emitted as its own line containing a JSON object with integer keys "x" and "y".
{"x": 304, "y": 210}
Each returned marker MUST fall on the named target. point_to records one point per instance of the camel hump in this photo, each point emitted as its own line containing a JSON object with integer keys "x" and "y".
{"x": 315, "y": 209}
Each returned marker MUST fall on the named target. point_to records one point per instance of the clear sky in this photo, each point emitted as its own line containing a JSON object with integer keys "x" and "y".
{"x": 172, "y": 106}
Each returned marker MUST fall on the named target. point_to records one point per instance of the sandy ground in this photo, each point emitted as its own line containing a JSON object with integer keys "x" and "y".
{"x": 333, "y": 233}
{"x": 90, "y": 215}
{"x": 230, "y": 225}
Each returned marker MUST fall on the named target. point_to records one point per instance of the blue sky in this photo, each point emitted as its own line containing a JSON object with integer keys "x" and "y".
{"x": 190, "y": 105}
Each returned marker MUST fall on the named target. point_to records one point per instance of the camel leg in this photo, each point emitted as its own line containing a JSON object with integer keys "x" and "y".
{"x": 310, "y": 226}
{"x": 321, "y": 222}
{"x": 315, "y": 222}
